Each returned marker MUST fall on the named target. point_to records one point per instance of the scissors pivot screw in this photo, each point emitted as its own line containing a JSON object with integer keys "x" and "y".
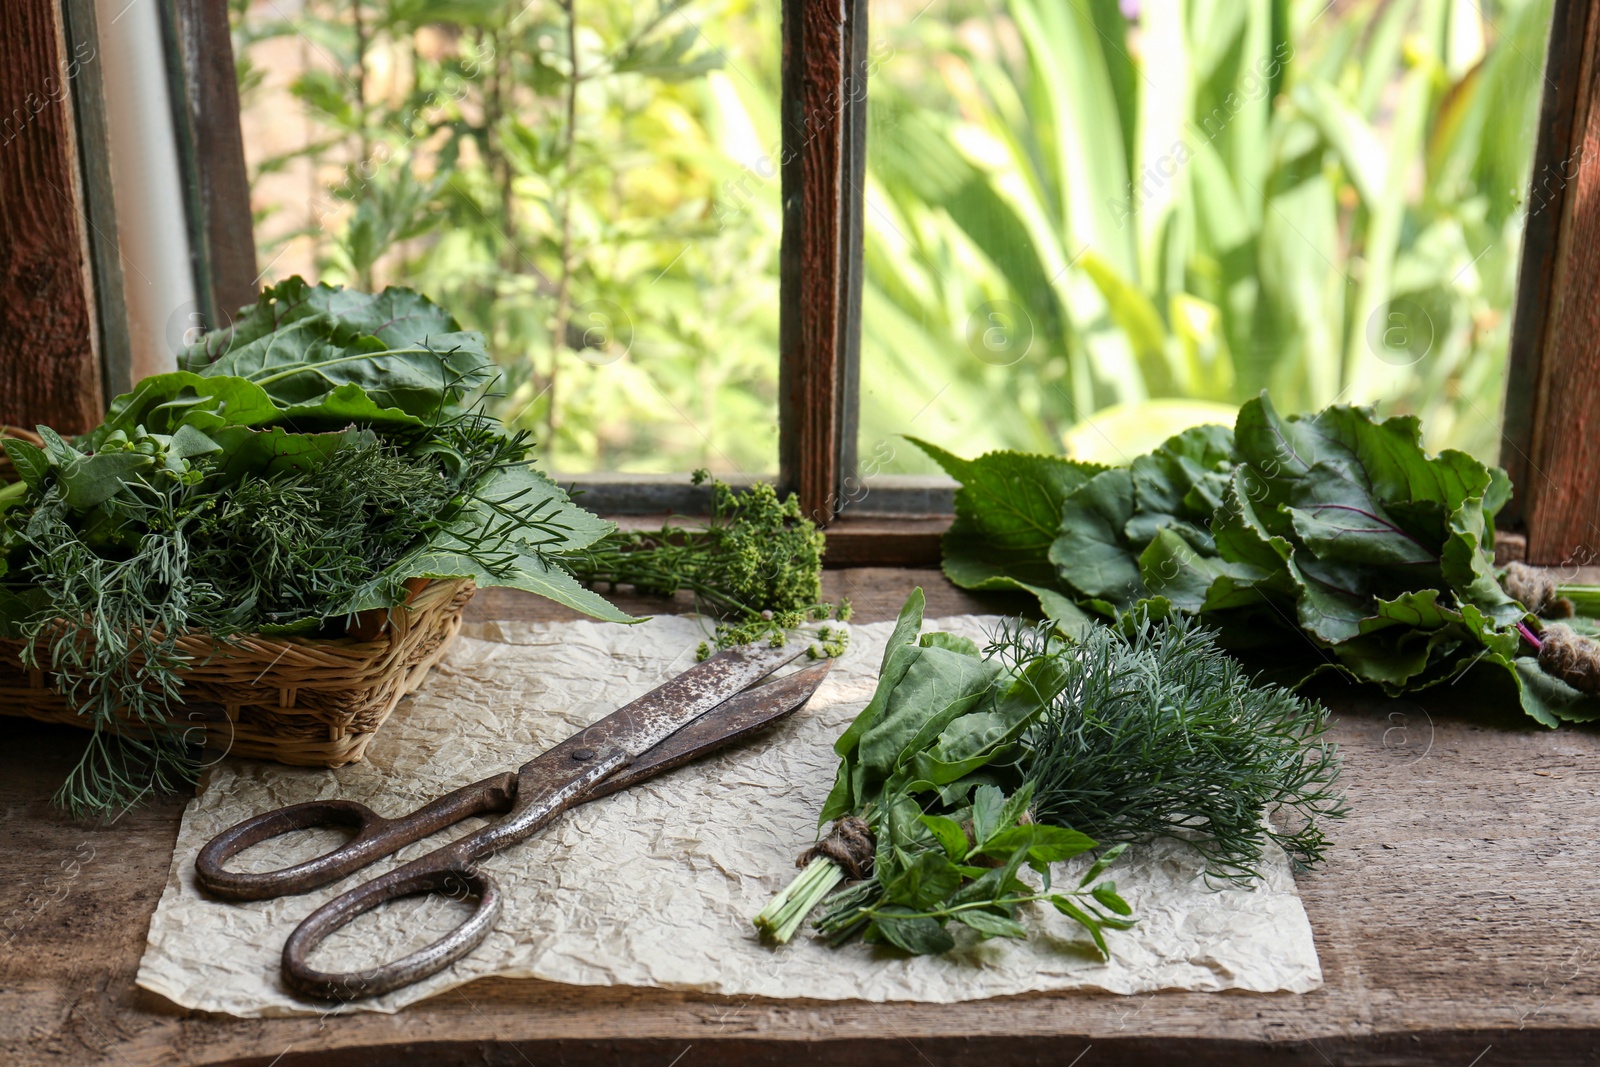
{"x": 583, "y": 754}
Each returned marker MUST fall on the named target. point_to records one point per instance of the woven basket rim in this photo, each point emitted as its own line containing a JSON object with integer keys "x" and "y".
{"x": 436, "y": 591}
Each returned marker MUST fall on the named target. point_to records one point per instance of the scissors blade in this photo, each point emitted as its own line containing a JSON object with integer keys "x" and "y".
{"x": 640, "y": 725}
{"x": 735, "y": 718}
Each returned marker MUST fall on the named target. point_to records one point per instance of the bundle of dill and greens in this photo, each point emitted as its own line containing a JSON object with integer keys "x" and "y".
{"x": 300, "y": 468}
{"x": 968, "y": 766}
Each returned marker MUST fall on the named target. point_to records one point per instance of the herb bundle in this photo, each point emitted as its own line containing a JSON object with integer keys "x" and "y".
{"x": 1325, "y": 542}
{"x": 921, "y": 807}
{"x": 300, "y": 468}
{"x": 757, "y": 565}
{"x": 965, "y": 768}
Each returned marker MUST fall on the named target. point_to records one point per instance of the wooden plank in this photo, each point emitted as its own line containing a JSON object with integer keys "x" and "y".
{"x": 1552, "y": 174}
{"x": 1553, "y": 396}
{"x": 879, "y": 542}
{"x": 852, "y": 233}
{"x": 100, "y": 215}
{"x": 49, "y": 366}
{"x": 211, "y": 153}
{"x": 1455, "y": 920}
{"x": 810, "y": 262}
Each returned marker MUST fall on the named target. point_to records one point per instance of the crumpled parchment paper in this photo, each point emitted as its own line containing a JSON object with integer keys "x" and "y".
{"x": 655, "y": 886}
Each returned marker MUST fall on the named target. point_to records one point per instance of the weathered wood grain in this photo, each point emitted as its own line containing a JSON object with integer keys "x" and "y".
{"x": 49, "y": 371}
{"x": 1458, "y": 921}
{"x": 810, "y": 262}
{"x": 214, "y": 153}
{"x": 1554, "y": 168}
{"x": 1559, "y": 499}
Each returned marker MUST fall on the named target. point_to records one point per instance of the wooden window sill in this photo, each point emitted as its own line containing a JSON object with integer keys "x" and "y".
{"x": 1454, "y": 919}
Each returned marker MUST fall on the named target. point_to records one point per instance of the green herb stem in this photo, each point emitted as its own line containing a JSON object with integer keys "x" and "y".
{"x": 1585, "y": 598}
{"x": 11, "y": 494}
{"x": 320, "y": 367}
{"x": 781, "y": 917}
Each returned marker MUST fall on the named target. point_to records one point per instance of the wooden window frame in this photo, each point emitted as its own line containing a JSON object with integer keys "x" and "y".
{"x": 1550, "y": 429}
{"x": 1553, "y": 374}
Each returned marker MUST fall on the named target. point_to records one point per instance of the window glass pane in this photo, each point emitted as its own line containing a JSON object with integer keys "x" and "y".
{"x": 629, "y": 208}
{"x": 1092, "y": 223}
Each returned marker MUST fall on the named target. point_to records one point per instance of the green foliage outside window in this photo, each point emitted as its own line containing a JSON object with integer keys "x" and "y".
{"x": 1108, "y": 220}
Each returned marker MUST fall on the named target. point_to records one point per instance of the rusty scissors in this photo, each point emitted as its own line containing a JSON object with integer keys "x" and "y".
{"x": 706, "y": 707}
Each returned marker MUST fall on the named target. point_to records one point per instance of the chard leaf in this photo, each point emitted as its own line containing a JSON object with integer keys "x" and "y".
{"x": 1091, "y": 554}
{"x": 1547, "y": 699}
{"x": 1179, "y": 485}
{"x": 1420, "y": 609}
{"x": 1170, "y": 567}
{"x": 1338, "y": 518}
{"x": 1391, "y": 459}
{"x": 1504, "y": 642}
{"x": 1394, "y": 659}
{"x": 1008, "y": 510}
{"x": 1324, "y": 605}
{"x": 1242, "y": 537}
{"x": 1468, "y": 566}
{"x": 302, "y": 344}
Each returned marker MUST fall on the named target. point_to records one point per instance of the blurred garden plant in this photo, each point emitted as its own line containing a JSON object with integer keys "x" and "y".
{"x": 559, "y": 174}
{"x": 1114, "y": 219}
{"x": 1152, "y": 211}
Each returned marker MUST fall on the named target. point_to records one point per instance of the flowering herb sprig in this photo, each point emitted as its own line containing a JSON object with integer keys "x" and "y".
{"x": 756, "y": 565}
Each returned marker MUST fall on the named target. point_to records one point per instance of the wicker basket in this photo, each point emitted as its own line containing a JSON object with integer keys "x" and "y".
{"x": 307, "y": 701}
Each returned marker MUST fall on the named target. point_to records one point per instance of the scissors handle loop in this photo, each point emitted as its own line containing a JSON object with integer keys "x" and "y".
{"x": 375, "y": 838}
{"x": 451, "y": 870}
{"x": 415, "y": 878}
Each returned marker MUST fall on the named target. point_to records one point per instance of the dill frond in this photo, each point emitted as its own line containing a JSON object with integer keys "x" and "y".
{"x": 1155, "y": 732}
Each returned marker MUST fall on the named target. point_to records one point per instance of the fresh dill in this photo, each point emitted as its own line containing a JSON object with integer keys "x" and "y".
{"x": 1155, "y": 732}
